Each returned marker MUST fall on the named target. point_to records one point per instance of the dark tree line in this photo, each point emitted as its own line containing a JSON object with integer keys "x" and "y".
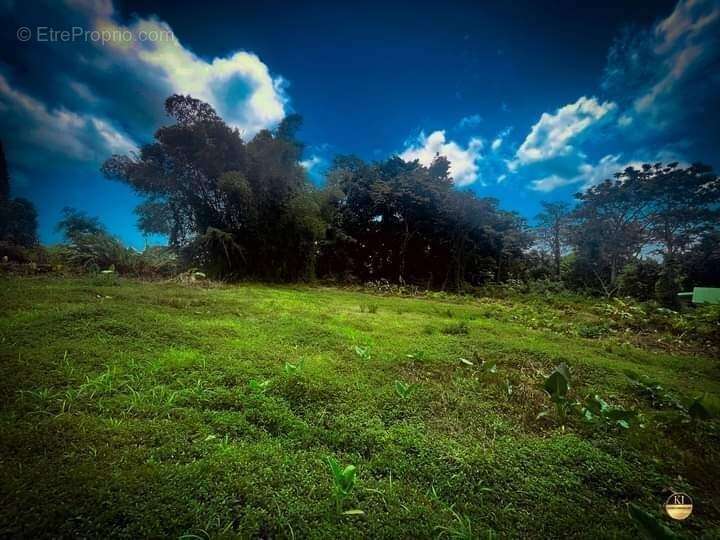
{"x": 646, "y": 232}
{"x": 18, "y": 218}
{"x": 247, "y": 209}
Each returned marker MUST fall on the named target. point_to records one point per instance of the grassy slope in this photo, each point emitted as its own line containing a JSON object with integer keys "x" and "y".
{"x": 126, "y": 411}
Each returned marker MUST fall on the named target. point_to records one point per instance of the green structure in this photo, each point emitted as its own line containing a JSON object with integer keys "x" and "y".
{"x": 703, "y": 295}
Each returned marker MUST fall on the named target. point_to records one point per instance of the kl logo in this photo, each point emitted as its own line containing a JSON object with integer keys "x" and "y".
{"x": 679, "y": 506}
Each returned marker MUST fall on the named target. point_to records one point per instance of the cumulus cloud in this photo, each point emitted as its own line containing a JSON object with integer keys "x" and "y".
{"x": 61, "y": 133}
{"x": 553, "y": 134}
{"x": 660, "y": 84}
{"x": 590, "y": 174}
{"x": 238, "y": 86}
{"x": 101, "y": 98}
{"x": 463, "y": 161}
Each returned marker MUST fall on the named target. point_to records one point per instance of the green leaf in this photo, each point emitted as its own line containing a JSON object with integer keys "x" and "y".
{"x": 649, "y": 525}
{"x": 558, "y": 383}
{"x": 616, "y": 414}
{"x": 334, "y": 468}
{"x": 698, "y": 411}
{"x": 596, "y": 405}
{"x": 259, "y": 386}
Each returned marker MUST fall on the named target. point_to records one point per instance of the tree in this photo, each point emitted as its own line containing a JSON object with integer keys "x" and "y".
{"x": 680, "y": 204}
{"x": 18, "y": 218}
{"x": 241, "y": 209}
{"x": 553, "y": 226}
{"x": 701, "y": 263}
{"x": 4, "y": 176}
{"x": 608, "y": 231}
{"x": 639, "y": 278}
{"x": 18, "y": 222}
{"x": 405, "y": 222}
{"x": 75, "y": 223}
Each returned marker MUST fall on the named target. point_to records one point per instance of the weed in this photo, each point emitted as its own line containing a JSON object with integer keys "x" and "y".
{"x": 457, "y": 329}
{"x": 596, "y": 408}
{"x": 292, "y": 369}
{"x": 363, "y": 352}
{"x": 343, "y": 484}
{"x": 403, "y": 389}
{"x": 697, "y": 409}
{"x": 368, "y": 308}
{"x": 259, "y": 387}
{"x": 650, "y": 526}
{"x": 653, "y": 391}
{"x": 557, "y": 386}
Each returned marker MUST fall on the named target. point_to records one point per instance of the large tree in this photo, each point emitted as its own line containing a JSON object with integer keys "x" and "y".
{"x": 239, "y": 209}
{"x": 553, "y": 228}
{"x": 4, "y": 176}
{"x": 406, "y": 222}
{"x": 609, "y": 230}
{"x": 680, "y": 204}
{"x": 18, "y": 217}
{"x": 660, "y": 208}
{"x": 76, "y": 223}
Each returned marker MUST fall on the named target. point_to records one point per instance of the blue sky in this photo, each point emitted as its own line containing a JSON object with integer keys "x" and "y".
{"x": 529, "y": 102}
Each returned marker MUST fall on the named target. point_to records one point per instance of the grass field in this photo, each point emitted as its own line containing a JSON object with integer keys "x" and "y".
{"x": 142, "y": 410}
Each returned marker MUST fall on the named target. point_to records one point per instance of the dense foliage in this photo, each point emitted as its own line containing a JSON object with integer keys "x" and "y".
{"x": 239, "y": 209}
{"x": 665, "y": 211}
{"x": 18, "y": 217}
{"x": 247, "y": 209}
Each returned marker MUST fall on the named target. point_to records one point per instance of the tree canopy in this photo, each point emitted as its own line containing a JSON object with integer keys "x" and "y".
{"x": 248, "y": 208}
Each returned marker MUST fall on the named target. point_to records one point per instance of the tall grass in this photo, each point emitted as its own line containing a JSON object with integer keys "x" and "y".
{"x": 99, "y": 252}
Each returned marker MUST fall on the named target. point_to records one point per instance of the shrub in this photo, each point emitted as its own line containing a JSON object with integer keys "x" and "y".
{"x": 457, "y": 329}
{"x": 639, "y": 278}
{"x": 96, "y": 252}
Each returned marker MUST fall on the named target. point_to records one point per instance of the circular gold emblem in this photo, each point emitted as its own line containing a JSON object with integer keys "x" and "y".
{"x": 679, "y": 506}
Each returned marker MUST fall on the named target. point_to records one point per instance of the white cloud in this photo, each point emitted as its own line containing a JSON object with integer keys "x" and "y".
{"x": 552, "y": 182}
{"x": 64, "y": 133}
{"x": 470, "y": 121}
{"x": 587, "y": 174}
{"x": 463, "y": 161}
{"x": 312, "y": 162}
{"x": 552, "y": 135}
{"x": 498, "y": 141}
{"x": 107, "y": 95}
{"x": 239, "y": 86}
{"x": 625, "y": 120}
{"x": 683, "y": 38}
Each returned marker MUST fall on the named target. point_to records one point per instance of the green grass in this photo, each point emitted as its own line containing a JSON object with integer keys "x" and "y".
{"x": 128, "y": 411}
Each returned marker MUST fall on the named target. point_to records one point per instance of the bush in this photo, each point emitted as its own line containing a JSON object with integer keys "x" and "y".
{"x": 667, "y": 286}
{"x": 96, "y": 252}
{"x": 638, "y": 279}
